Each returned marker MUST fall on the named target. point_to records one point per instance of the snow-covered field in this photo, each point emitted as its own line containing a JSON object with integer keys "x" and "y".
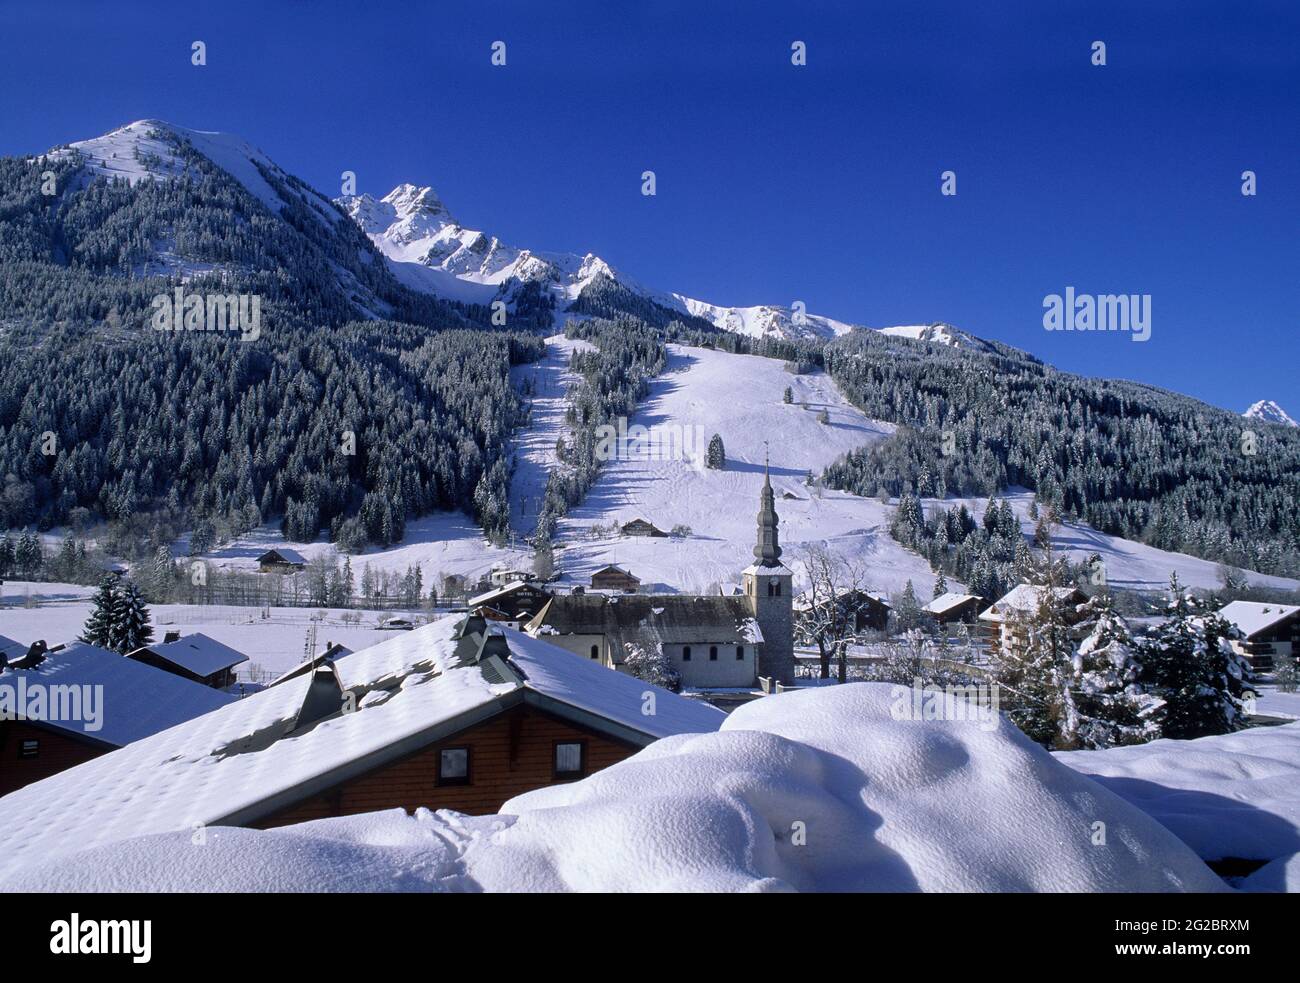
{"x": 273, "y": 644}
{"x": 826, "y": 789}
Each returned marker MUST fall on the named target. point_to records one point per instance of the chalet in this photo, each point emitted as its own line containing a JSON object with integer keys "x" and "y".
{"x": 519, "y": 600}
{"x": 195, "y": 657}
{"x": 456, "y": 715}
{"x": 394, "y": 623}
{"x": 867, "y": 609}
{"x": 639, "y": 527}
{"x": 61, "y": 708}
{"x": 615, "y": 578}
{"x": 999, "y": 621}
{"x": 714, "y": 641}
{"x": 282, "y": 560}
{"x": 951, "y": 608}
{"x": 1269, "y": 630}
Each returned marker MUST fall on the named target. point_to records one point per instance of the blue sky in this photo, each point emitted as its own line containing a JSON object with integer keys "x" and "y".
{"x": 775, "y": 183}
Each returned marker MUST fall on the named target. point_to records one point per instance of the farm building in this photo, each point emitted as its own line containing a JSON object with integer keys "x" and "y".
{"x": 612, "y": 577}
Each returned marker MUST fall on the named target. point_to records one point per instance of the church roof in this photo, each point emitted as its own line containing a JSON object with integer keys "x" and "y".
{"x": 650, "y": 620}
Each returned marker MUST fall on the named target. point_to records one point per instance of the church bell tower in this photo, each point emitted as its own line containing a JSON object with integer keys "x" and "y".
{"x": 768, "y": 583}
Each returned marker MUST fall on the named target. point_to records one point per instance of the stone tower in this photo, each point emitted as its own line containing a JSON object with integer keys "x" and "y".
{"x": 768, "y": 586}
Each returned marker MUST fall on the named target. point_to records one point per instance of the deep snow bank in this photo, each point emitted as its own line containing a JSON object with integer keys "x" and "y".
{"x": 1235, "y": 795}
{"x": 814, "y": 790}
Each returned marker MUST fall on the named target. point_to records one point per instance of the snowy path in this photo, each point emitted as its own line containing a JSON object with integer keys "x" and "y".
{"x": 535, "y": 448}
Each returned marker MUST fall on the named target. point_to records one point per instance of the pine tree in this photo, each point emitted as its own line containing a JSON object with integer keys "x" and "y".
{"x": 907, "y": 610}
{"x": 1113, "y": 707}
{"x": 130, "y": 627}
{"x": 940, "y": 586}
{"x": 652, "y": 667}
{"x": 1189, "y": 662}
{"x": 788, "y": 397}
{"x": 717, "y": 455}
{"x": 99, "y": 626}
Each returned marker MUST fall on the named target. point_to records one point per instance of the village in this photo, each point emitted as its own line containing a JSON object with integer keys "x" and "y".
{"x": 522, "y": 686}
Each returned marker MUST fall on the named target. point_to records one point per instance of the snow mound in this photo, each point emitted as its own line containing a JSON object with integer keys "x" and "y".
{"x": 822, "y": 790}
{"x": 1234, "y": 795}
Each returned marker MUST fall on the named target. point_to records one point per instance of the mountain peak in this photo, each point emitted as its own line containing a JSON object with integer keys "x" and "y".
{"x": 1270, "y": 412}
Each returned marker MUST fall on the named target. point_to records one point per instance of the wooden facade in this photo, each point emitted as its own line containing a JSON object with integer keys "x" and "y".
{"x": 640, "y": 527}
{"x": 615, "y": 578}
{"x": 510, "y": 753}
{"x": 22, "y": 762}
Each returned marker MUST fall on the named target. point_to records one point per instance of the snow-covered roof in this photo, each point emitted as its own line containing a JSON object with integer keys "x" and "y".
{"x": 1024, "y": 597}
{"x": 137, "y": 700}
{"x": 282, "y": 553}
{"x": 197, "y": 653}
{"x": 242, "y": 761}
{"x": 948, "y": 601}
{"x": 1252, "y": 617}
{"x": 503, "y": 591}
{"x": 11, "y": 649}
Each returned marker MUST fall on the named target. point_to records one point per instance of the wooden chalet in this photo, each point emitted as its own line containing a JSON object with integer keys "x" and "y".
{"x": 458, "y": 715}
{"x": 640, "y": 527}
{"x": 194, "y": 657}
{"x": 1269, "y": 630}
{"x": 64, "y": 707}
{"x": 612, "y": 577}
{"x": 282, "y": 560}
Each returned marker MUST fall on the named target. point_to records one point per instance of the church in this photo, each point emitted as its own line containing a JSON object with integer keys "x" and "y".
{"x": 713, "y": 642}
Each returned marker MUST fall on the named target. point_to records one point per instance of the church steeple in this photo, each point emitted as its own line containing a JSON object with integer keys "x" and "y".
{"x": 767, "y": 550}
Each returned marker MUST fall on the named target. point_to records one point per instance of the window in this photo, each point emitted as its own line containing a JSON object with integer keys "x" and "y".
{"x": 595, "y": 651}
{"x": 570, "y": 759}
{"x": 29, "y": 749}
{"x": 453, "y": 766}
{"x": 713, "y": 653}
{"x": 740, "y": 653}
{"x": 771, "y": 588}
{"x": 686, "y": 653}
{"x": 777, "y": 584}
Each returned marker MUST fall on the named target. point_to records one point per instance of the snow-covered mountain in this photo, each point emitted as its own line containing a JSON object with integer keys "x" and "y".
{"x": 139, "y": 151}
{"x": 426, "y": 247}
{"x": 1270, "y": 412}
{"x": 430, "y": 250}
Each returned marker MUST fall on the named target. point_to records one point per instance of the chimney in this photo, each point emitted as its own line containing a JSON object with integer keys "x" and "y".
{"x": 171, "y": 636}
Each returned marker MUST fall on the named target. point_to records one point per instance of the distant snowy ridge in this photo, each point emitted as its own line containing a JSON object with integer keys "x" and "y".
{"x": 430, "y": 250}
{"x": 1270, "y": 412}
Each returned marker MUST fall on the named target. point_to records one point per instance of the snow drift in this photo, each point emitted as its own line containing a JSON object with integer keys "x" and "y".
{"x": 827, "y": 789}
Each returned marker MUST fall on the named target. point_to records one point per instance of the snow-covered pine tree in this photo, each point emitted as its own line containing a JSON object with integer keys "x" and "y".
{"x": 130, "y": 627}
{"x": 1112, "y": 705}
{"x": 98, "y": 628}
{"x": 717, "y": 455}
{"x": 940, "y": 586}
{"x": 788, "y": 396}
{"x": 1188, "y": 661}
{"x": 652, "y": 667}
